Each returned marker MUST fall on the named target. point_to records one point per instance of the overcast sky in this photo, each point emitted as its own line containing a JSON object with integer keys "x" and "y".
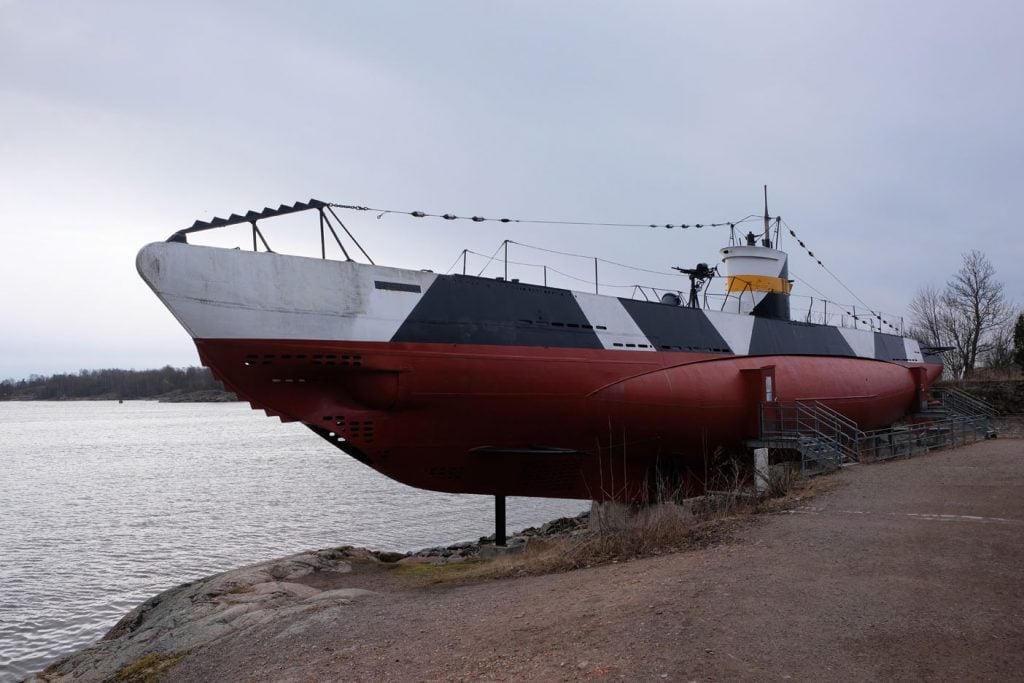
{"x": 889, "y": 134}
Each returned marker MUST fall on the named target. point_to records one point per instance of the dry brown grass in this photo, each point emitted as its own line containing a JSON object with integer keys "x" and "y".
{"x": 618, "y": 532}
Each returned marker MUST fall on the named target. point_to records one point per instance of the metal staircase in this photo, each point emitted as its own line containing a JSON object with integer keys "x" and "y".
{"x": 826, "y": 439}
{"x": 823, "y": 437}
{"x": 960, "y": 402}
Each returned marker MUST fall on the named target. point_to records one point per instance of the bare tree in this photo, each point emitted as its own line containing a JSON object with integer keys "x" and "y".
{"x": 927, "y": 315}
{"x": 1000, "y": 353}
{"x": 968, "y": 316}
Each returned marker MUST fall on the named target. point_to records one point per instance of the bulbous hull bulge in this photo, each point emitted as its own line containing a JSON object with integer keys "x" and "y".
{"x": 471, "y": 385}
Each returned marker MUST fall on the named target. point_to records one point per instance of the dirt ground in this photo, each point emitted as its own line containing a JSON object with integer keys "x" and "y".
{"x": 907, "y": 570}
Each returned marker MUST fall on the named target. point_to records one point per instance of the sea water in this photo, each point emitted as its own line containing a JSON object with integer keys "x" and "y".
{"x": 103, "y": 505}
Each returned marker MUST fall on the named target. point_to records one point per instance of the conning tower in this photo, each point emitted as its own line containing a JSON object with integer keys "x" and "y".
{"x": 756, "y": 279}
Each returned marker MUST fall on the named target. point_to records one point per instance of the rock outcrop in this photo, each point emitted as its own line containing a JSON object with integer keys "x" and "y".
{"x": 159, "y": 631}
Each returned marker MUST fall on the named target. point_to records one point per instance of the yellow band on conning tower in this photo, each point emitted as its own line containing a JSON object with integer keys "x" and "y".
{"x": 757, "y": 283}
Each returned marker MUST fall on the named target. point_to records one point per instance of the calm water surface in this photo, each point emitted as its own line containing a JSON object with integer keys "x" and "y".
{"x": 103, "y": 505}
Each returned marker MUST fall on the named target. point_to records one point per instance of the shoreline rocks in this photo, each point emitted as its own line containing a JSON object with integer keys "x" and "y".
{"x": 484, "y": 546}
{"x": 159, "y": 632}
{"x": 195, "y": 613}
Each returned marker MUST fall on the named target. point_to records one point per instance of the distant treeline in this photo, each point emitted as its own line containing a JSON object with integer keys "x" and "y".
{"x": 166, "y": 382}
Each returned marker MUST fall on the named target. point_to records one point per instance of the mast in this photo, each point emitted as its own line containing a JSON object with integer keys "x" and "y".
{"x": 767, "y": 242}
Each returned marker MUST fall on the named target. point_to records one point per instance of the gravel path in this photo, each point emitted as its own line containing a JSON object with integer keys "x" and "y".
{"x": 908, "y": 570}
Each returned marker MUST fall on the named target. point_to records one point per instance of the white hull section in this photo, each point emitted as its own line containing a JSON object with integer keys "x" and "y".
{"x": 231, "y": 294}
{"x": 220, "y": 293}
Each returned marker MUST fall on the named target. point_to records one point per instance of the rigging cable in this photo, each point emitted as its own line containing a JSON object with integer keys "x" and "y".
{"x": 490, "y": 259}
{"x": 538, "y": 221}
{"x": 731, "y": 224}
{"x": 810, "y": 253}
{"x": 589, "y": 258}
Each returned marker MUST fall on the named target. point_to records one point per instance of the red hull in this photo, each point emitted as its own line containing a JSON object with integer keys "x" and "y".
{"x": 539, "y": 421}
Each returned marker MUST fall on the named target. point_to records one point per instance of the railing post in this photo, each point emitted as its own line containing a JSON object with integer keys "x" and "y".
{"x": 323, "y": 244}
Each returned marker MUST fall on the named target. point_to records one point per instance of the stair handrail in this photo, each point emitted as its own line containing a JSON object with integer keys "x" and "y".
{"x": 849, "y": 424}
{"x": 813, "y": 419}
{"x": 964, "y": 402}
{"x": 847, "y": 434}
